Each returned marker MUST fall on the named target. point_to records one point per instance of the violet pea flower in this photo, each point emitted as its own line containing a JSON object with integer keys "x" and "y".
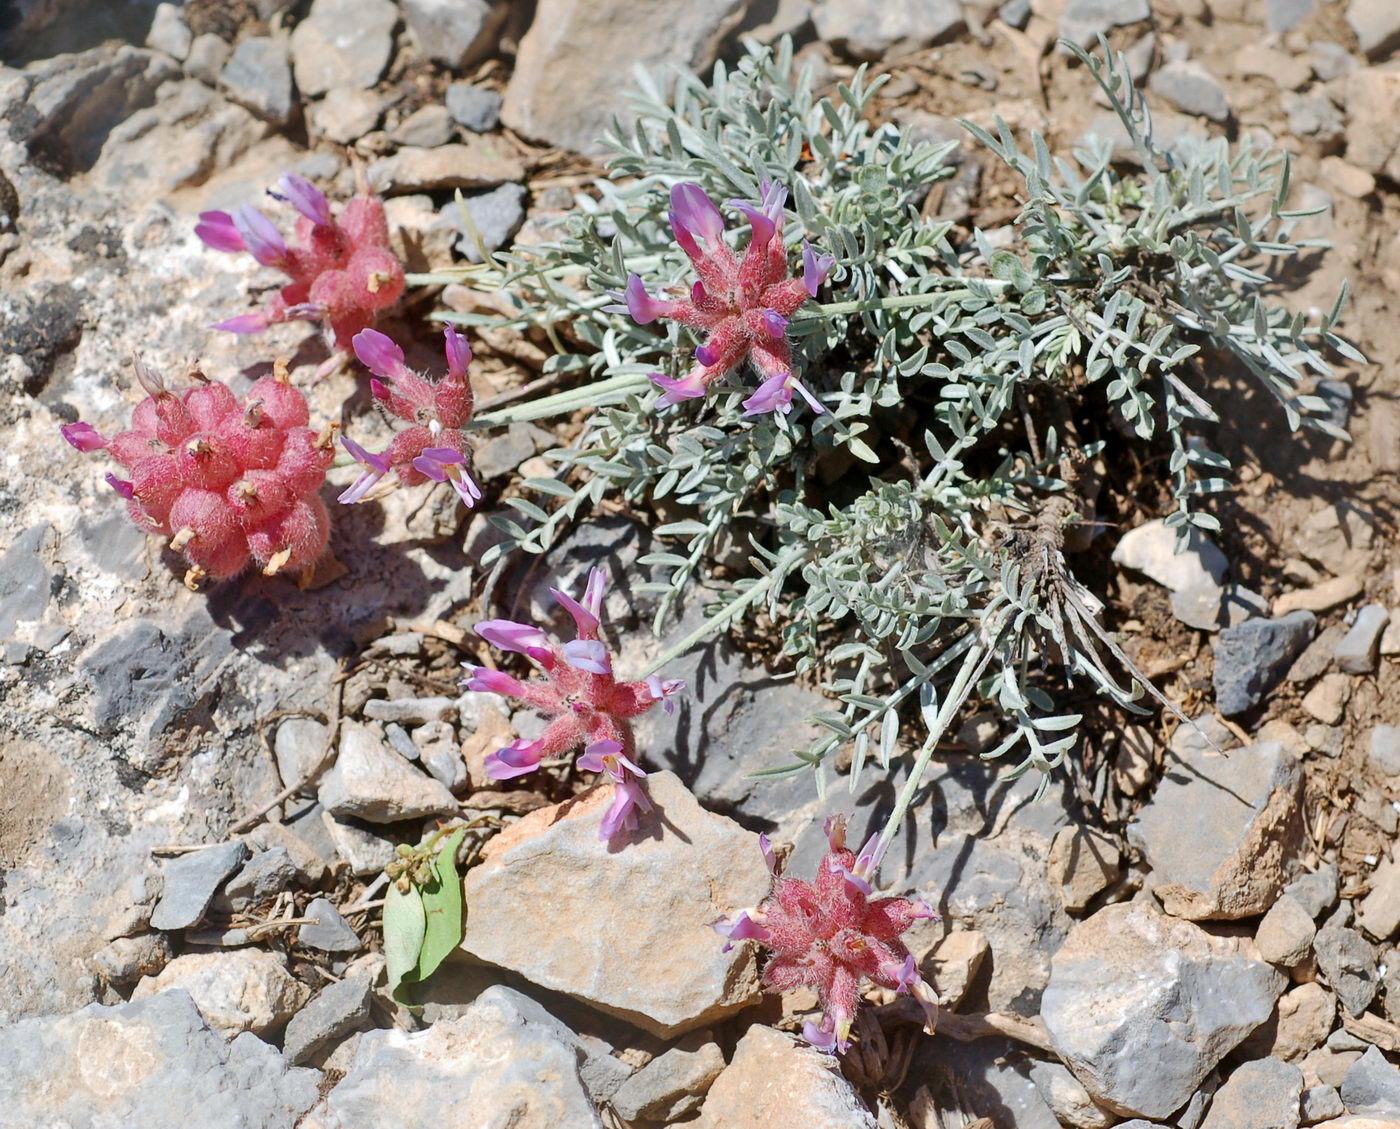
{"x": 377, "y": 466}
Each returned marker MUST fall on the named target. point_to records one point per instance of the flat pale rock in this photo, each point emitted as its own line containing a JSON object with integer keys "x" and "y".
{"x": 1220, "y": 830}
{"x": 1378, "y": 913}
{"x": 1151, "y": 549}
{"x": 504, "y": 1061}
{"x": 1372, "y": 1085}
{"x": 238, "y": 990}
{"x": 191, "y": 881}
{"x": 1263, "y": 1094}
{"x": 1131, "y": 986}
{"x": 870, "y": 29}
{"x": 370, "y": 781}
{"x": 478, "y": 162}
{"x": 637, "y": 909}
{"x": 343, "y": 44}
{"x": 1082, "y": 864}
{"x": 148, "y": 1064}
{"x": 1373, "y": 129}
{"x": 774, "y": 1082}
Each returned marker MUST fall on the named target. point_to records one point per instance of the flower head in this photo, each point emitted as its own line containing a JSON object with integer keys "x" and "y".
{"x": 587, "y": 706}
{"x": 434, "y": 447}
{"x": 229, "y": 482}
{"x": 742, "y": 306}
{"x": 832, "y": 935}
{"x": 342, "y": 270}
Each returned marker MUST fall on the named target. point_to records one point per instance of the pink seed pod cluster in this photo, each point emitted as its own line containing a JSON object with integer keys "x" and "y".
{"x": 433, "y": 446}
{"x": 230, "y": 482}
{"x": 742, "y": 306}
{"x": 342, "y": 270}
{"x": 588, "y": 707}
{"x": 832, "y": 935}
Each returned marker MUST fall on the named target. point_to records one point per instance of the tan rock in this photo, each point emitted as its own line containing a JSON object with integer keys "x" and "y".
{"x": 622, "y": 925}
{"x": 493, "y": 730}
{"x": 1300, "y": 1024}
{"x": 774, "y": 1082}
{"x": 1320, "y": 597}
{"x": 478, "y": 162}
{"x": 1373, "y": 128}
{"x": 238, "y": 990}
{"x": 1379, "y": 911}
{"x": 370, "y": 781}
{"x": 1360, "y": 1121}
{"x": 1346, "y": 178}
{"x": 1327, "y": 701}
{"x": 1257, "y": 60}
{"x": 1339, "y": 537}
{"x": 1390, "y": 637}
{"x": 1082, "y": 864}
{"x": 954, "y": 964}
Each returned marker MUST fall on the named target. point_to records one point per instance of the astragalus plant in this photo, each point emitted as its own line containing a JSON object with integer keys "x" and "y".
{"x": 904, "y": 517}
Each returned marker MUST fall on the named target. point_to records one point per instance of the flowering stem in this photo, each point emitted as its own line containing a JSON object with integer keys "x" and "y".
{"x": 971, "y": 670}
{"x": 614, "y": 390}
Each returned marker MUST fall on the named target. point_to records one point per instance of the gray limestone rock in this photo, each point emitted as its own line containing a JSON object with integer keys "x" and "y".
{"x": 1356, "y": 653}
{"x": 504, "y": 1061}
{"x": 1384, "y": 749}
{"x": 455, "y": 33}
{"x": 298, "y": 746}
{"x": 1083, "y": 21}
{"x": 470, "y": 106}
{"x": 365, "y": 852}
{"x": 259, "y": 77}
{"x": 206, "y": 58}
{"x": 336, "y": 1011}
{"x": 266, "y": 875}
{"x": 1286, "y": 933}
{"x": 496, "y": 215}
{"x": 1348, "y": 963}
{"x": 372, "y": 782}
{"x": 1263, "y": 1094}
{"x": 674, "y": 1083}
{"x": 427, "y": 126}
{"x": 149, "y": 1063}
{"x": 412, "y": 711}
{"x": 1321, "y": 1103}
{"x": 1151, "y": 549}
{"x": 1068, "y": 1099}
{"x": 1130, "y": 982}
{"x": 1372, "y": 1085}
{"x": 1377, "y": 26}
{"x": 1251, "y": 658}
{"x": 1378, "y": 913}
{"x": 1221, "y": 831}
{"x": 26, "y": 575}
{"x": 1316, "y": 891}
{"x": 1285, "y": 15}
{"x": 169, "y": 32}
{"x": 343, "y": 44}
{"x": 441, "y": 754}
{"x": 871, "y": 29}
{"x": 1192, "y": 89}
{"x": 330, "y": 933}
{"x": 242, "y": 989}
{"x": 191, "y": 881}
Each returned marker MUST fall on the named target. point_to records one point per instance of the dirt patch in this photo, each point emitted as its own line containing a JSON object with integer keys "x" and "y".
{"x": 34, "y": 790}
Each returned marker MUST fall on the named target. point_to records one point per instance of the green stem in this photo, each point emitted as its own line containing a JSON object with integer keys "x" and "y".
{"x": 596, "y": 394}
{"x": 971, "y": 670}
{"x": 897, "y": 302}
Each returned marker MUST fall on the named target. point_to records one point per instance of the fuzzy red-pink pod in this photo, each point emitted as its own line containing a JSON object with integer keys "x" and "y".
{"x": 342, "y": 270}
{"x": 832, "y": 934}
{"x": 230, "y": 482}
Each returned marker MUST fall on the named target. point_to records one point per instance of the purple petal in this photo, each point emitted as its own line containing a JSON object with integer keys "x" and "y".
{"x": 741, "y": 928}
{"x": 126, "y": 489}
{"x": 662, "y": 691}
{"x": 695, "y": 213}
{"x": 83, "y": 436}
{"x": 435, "y": 460}
{"x": 217, "y": 230}
{"x": 459, "y": 353}
{"x": 766, "y": 846}
{"x": 378, "y": 353}
{"x": 378, "y": 462}
{"x": 628, "y": 796}
{"x": 904, "y": 975}
{"x": 305, "y": 197}
{"x": 761, "y": 222}
{"x": 261, "y": 236}
{"x": 248, "y": 323}
{"x": 815, "y": 268}
{"x": 774, "y": 323}
{"x": 706, "y": 355}
{"x": 484, "y": 680}
{"x": 584, "y": 619}
{"x": 589, "y": 655}
{"x": 822, "y": 1038}
{"x": 643, "y": 308}
{"x": 773, "y": 395}
{"x": 816, "y": 405}
{"x": 854, "y": 880}
{"x": 359, "y": 488}
{"x": 595, "y": 588}
{"x": 674, "y": 391}
{"x": 516, "y": 759}
{"x": 467, "y": 489}
{"x": 594, "y": 757}
{"x": 868, "y": 861}
{"x": 511, "y": 636}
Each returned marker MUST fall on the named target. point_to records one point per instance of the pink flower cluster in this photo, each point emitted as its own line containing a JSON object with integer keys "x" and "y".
{"x": 831, "y": 935}
{"x": 342, "y": 270}
{"x": 742, "y": 306}
{"x": 587, "y": 706}
{"x": 228, "y": 482}
{"x": 433, "y": 446}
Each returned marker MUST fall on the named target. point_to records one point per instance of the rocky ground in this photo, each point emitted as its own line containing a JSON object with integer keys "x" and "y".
{"x": 1170, "y": 936}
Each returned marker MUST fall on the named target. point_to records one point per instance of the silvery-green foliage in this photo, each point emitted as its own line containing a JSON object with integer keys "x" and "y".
{"x": 915, "y": 529}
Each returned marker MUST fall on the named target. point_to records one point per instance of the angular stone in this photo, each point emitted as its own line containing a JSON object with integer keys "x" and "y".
{"x": 1377, "y": 26}
{"x": 127, "y": 959}
{"x": 1372, "y": 1085}
{"x": 1320, "y": 597}
{"x": 563, "y": 89}
{"x": 496, "y": 215}
{"x": 479, "y": 162}
{"x": 1083, "y": 21}
{"x": 1300, "y": 1025}
{"x": 1379, "y": 911}
{"x": 374, "y": 783}
{"x": 343, "y": 44}
{"x": 427, "y": 126}
{"x": 455, "y": 33}
{"x": 1315, "y": 892}
{"x": 774, "y": 1082}
{"x": 298, "y": 747}
{"x": 344, "y": 116}
{"x": 1151, "y": 549}
{"x": 1263, "y": 1094}
{"x": 239, "y": 990}
{"x": 148, "y": 1063}
{"x": 336, "y": 1011}
{"x": 190, "y": 883}
{"x": 1327, "y": 701}
{"x": 1348, "y": 963}
{"x": 169, "y": 32}
{"x": 258, "y": 77}
{"x": 1285, "y": 935}
{"x": 1373, "y": 129}
{"x": 1321, "y": 1103}
{"x": 1192, "y": 89}
{"x": 471, "y": 106}
{"x": 871, "y": 29}
{"x": 1251, "y": 658}
{"x": 674, "y": 1083}
{"x": 1128, "y": 979}
{"x": 1356, "y": 653}
{"x": 1220, "y": 831}
{"x": 207, "y": 56}
{"x": 365, "y": 852}
{"x": 330, "y": 933}
{"x": 1082, "y": 864}
{"x": 1208, "y": 608}
{"x": 1384, "y": 749}
{"x": 504, "y": 1061}
{"x": 953, "y": 964}
{"x": 264, "y": 877}
{"x": 1285, "y": 15}
{"x": 1069, "y": 1100}
{"x": 412, "y": 711}
{"x": 637, "y": 947}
